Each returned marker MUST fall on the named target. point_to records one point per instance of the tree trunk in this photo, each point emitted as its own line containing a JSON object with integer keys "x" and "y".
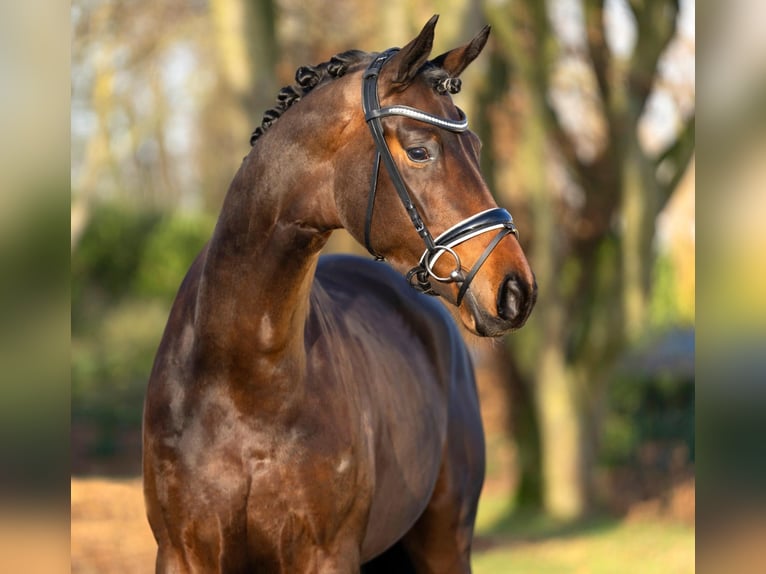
{"x": 561, "y": 433}
{"x": 638, "y": 213}
{"x": 245, "y": 47}
{"x": 553, "y": 386}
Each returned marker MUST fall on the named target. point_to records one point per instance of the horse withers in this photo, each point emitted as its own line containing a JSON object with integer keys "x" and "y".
{"x": 318, "y": 414}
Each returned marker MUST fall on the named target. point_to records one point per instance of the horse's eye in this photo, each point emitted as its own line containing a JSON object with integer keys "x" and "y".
{"x": 418, "y": 154}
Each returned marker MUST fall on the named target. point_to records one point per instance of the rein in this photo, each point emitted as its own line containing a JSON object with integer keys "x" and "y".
{"x": 496, "y": 218}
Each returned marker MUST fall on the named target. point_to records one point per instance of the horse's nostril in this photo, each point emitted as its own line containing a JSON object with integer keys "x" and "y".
{"x": 511, "y": 299}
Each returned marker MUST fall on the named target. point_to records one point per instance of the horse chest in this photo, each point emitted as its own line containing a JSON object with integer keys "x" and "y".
{"x": 307, "y": 488}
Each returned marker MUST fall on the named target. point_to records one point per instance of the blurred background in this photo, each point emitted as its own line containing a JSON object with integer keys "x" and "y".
{"x": 586, "y": 109}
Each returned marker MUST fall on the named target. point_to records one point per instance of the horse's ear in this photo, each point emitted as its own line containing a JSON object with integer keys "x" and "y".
{"x": 457, "y": 60}
{"x": 411, "y": 58}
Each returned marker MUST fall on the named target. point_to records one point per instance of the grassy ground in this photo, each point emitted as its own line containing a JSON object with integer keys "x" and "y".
{"x": 110, "y": 535}
{"x": 506, "y": 543}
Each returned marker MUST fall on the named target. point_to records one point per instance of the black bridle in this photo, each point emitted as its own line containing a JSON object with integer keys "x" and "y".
{"x": 489, "y": 220}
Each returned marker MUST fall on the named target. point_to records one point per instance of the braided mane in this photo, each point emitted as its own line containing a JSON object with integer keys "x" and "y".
{"x": 309, "y": 77}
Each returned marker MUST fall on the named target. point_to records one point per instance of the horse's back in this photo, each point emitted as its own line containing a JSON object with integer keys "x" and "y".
{"x": 376, "y": 308}
{"x": 415, "y": 381}
{"x": 349, "y": 277}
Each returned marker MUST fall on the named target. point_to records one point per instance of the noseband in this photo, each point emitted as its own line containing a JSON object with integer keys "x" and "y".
{"x": 492, "y": 219}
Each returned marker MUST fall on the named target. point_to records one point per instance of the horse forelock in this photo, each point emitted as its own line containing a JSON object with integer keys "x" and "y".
{"x": 309, "y": 77}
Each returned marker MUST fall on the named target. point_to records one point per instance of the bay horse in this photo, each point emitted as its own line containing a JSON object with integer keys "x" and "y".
{"x": 317, "y": 414}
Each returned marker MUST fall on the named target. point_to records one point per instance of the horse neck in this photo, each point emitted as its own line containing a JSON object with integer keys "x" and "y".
{"x": 253, "y": 295}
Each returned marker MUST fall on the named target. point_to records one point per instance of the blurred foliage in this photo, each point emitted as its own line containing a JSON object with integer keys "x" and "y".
{"x": 125, "y": 273}
{"x": 665, "y": 308}
{"x": 648, "y": 409}
{"x": 169, "y": 250}
{"x": 108, "y": 255}
{"x": 125, "y": 252}
{"x": 110, "y": 368}
{"x": 33, "y": 338}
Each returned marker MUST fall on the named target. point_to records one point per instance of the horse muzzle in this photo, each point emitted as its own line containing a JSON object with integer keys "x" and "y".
{"x": 515, "y": 300}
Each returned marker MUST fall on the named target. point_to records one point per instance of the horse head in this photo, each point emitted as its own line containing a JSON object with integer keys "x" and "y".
{"x": 401, "y": 173}
{"x": 451, "y": 239}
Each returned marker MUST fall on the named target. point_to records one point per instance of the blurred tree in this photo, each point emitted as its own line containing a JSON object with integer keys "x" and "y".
{"x": 244, "y": 54}
{"x": 246, "y": 48}
{"x": 131, "y": 103}
{"x": 592, "y": 239}
{"x": 164, "y": 98}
